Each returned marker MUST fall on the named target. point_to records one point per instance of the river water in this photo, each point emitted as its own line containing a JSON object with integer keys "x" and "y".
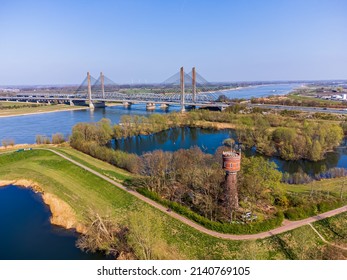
{"x": 23, "y": 129}
{"x": 260, "y": 91}
{"x": 26, "y": 232}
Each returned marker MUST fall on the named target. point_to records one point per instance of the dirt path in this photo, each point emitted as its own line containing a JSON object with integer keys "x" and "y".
{"x": 289, "y": 225}
{"x": 324, "y": 240}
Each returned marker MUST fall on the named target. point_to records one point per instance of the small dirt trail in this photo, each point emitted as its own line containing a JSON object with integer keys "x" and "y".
{"x": 289, "y": 225}
{"x": 324, "y": 240}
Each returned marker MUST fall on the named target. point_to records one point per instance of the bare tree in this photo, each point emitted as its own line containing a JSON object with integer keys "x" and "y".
{"x": 104, "y": 234}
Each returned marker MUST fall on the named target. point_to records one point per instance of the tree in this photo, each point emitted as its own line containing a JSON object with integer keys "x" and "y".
{"x": 58, "y": 138}
{"x": 258, "y": 178}
{"x": 100, "y": 133}
{"x": 104, "y": 234}
{"x": 7, "y": 142}
{"x": 316, "y": 152}
{"x": 157, "y": 166}
{"x": 222, "y": 98}
{"x": 229, "y": 142}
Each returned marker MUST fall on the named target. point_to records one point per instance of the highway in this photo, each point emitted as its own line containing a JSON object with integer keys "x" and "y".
{"x": 299, "y": 108}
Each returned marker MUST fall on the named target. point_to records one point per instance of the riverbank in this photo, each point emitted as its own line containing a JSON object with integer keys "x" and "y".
{"x": 62, "y": 214}
{"x": 16, "y": 146}
{"x": 38, "y": 110}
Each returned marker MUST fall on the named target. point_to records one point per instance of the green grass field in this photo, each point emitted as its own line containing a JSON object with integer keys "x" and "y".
{"x": 334, "y": 229}
{"x": 334, "y": 186}
{"x": 84, "y": 191}
{"x": 313, "y": 98}
{"x": 102, "y": 167}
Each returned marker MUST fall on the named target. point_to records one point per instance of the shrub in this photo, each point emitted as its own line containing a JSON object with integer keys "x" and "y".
{"x": 7, "y": 142}
{"x": 305, "y": 211}
{"x": 233, "y": 228}
{"x": 58, "y": 138}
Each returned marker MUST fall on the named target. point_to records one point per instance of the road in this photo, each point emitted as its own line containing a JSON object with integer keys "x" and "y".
{"x": 299, "y": 108}
{"x": 289, "y": 225}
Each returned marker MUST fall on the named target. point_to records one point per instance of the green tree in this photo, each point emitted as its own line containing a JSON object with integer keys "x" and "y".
{"x": 316, "y": 152}
{"x": 258, "y": 178}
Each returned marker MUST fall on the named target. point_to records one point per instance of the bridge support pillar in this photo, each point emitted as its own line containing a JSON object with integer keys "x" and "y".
{"x": 126, "y": 104}
{"x": 71, "y": 103}
{"x": 100, "y": 104}
{"x": 91, "y": 105}
{"x": 49, "y": 102}
{"x": 150, "y": 106}
{"x": 164, "y": 105}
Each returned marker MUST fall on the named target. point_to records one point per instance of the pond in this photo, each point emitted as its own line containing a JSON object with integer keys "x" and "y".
{"x": 26, "y": 232}
{"x": 208, "y": 140}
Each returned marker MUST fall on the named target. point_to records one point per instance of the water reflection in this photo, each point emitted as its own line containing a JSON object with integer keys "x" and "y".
{"x": 26, "y": 232}
{"x": 174, "y": 139}
{"x": 209, "y": 140}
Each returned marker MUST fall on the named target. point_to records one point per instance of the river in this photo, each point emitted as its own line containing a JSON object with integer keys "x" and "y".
{"x": 23, "y": 129}
{"x": 260, "y": 91}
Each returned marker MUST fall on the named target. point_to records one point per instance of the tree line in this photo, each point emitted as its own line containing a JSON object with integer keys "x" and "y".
{"x": 289, "y": 138}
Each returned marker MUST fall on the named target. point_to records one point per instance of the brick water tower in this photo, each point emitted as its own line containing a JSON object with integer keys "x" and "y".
{"x": 231, "y": 165}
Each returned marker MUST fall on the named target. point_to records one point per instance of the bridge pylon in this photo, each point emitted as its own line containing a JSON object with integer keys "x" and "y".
{"x": 193, "y": 85}
{"x": 91, "y": 105}
{"x": 182, "y": 89}
{"x": 102, "y": 80}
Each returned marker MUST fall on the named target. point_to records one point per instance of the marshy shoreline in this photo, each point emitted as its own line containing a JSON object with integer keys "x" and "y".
{"x": 62, "y": 213}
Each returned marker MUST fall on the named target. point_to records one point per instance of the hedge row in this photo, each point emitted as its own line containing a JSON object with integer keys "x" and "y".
{"x": 254, "y": 227}
{"x": 305, "y": 211}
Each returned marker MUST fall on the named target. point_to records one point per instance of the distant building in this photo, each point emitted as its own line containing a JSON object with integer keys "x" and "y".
{"x": 326, "y": 97}
{"x": 336, "y": 97}
{"x": 9, "y": 90}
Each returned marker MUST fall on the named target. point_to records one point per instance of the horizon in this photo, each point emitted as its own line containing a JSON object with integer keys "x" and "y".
{"x": 145, "y": 42}
{"x": 267, "y": 82}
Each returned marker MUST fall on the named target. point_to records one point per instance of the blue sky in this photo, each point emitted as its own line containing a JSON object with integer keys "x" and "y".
{"x": 57, "y": 42}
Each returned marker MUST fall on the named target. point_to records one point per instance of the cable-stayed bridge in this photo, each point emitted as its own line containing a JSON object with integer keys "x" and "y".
{"x": 183, "y": 89}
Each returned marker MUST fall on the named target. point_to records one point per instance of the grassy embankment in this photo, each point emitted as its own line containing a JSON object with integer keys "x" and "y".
{"x": 300, "y": 97}
{"x": 84, "y": 191}
{"x": 329, "y": 186}
{"x": 8, "y": 108}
